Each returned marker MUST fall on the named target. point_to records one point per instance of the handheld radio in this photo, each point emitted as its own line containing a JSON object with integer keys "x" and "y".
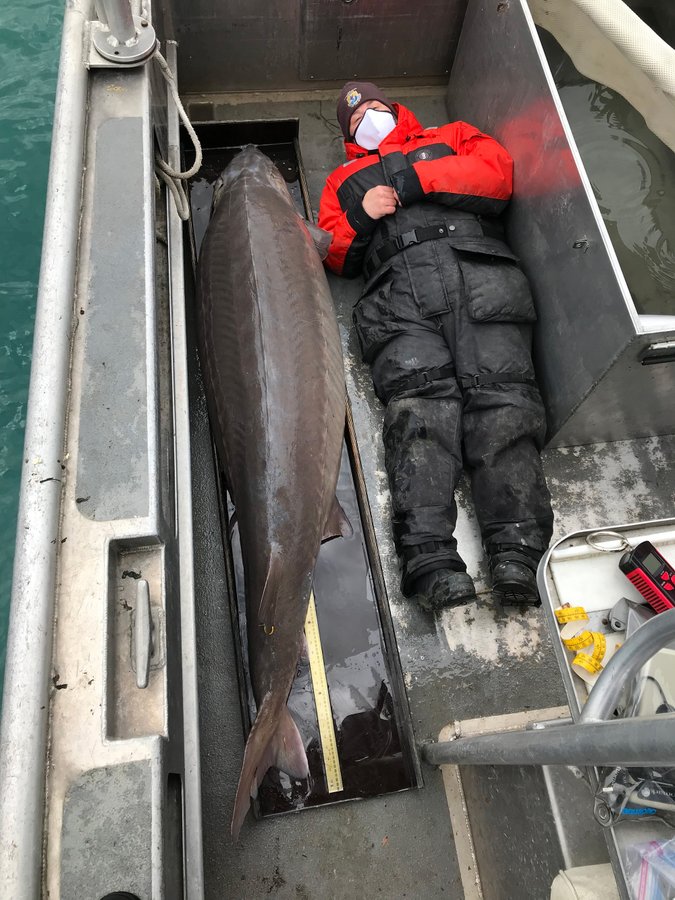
{"x": 651, "y": 574}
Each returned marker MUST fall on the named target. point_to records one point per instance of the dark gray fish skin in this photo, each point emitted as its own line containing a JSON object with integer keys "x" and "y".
{"x": 272, "y": 364}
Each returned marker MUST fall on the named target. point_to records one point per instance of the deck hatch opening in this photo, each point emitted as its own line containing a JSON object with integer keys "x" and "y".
{"x": 367, "y": 700}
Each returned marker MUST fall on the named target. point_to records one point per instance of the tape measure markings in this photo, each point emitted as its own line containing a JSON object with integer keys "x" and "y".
{"x": 324, "y": 712}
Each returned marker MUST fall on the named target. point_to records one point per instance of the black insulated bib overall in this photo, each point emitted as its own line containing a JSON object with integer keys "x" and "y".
{"x": 446, "y": 326}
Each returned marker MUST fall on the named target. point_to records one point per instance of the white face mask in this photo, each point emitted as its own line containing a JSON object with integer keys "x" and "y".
{"x": 373, "y": 128}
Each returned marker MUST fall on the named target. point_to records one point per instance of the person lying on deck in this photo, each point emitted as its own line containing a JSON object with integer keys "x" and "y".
{"x": 445, "y": 323}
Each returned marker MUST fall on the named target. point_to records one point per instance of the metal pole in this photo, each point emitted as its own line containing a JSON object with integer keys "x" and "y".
{"x": 647, "y": 741}
{"x": 194, "y": 849}
{"x": 120, "y": 20}
{"x": 651, "y": 637}
{"x": 99, "y": 6}
{"x": 25, "y": 710}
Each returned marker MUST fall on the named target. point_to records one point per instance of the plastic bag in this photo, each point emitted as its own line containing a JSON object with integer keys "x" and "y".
{"x": 651, "y": 870}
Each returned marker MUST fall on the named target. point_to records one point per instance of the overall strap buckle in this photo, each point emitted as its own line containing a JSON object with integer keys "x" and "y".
{"x": 399, "y": 242}
{"x": 475, "y": 381}
{"x": 407, "y": 239}
{"x": 427, "y": 377}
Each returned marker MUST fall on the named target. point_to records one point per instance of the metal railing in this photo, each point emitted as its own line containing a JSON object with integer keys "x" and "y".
{"x": 595, "y": 740}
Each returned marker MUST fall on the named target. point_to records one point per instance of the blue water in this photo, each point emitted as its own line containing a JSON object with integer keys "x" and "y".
{"x": 30, "y": 37}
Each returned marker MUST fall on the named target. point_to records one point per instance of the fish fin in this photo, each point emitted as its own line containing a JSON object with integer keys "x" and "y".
{"x": 322, "y": 239}
{"x": 274, "y": 741}
{"x": 268, "y": 598}
{"x": 289, "y": 751}
{"x": 337, "y": 523}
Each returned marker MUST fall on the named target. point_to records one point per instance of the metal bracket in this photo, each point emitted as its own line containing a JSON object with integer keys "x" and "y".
{"x": 602, "y": 813}
{"x": 118, "y": 38}
{"x": 661, "y": 352}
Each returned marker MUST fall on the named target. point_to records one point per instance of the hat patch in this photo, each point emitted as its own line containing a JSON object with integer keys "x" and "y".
{"x": 352, "y": 98}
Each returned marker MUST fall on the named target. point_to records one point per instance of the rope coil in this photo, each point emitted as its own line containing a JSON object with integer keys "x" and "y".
{"x": 172, "y": 178}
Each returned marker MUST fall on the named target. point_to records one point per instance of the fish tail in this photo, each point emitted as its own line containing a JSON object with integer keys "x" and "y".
{"x": 274, "y": 741}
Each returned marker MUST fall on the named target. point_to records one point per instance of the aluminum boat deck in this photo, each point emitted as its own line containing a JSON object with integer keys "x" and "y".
{"x": 122, "y": 734}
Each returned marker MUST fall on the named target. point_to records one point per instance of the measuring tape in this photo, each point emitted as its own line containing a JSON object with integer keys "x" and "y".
{"x": 324, "y": 713}
{"x": 592, "y": 648}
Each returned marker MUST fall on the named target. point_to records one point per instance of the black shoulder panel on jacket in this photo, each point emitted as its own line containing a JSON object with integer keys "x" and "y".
{"x": 430, "y": 151}
{"x": 356, "y": 185}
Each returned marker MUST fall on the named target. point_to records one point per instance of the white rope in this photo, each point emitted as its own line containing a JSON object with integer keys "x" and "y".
{"x": 172, "y": 178}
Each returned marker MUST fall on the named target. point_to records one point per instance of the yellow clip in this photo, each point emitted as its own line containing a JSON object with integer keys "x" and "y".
{"x": 268, "y": 629}
{"x": 571, "y": 614}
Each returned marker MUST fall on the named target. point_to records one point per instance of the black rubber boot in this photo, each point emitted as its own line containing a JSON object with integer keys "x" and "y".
{"x": 442, "y": 589}
{"x": 514, "y": 581}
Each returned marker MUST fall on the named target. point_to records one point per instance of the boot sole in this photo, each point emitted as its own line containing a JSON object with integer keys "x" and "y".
{"x": 425, "y": 603}
{"x": 448, "y": 596}
{"x": 515, "y": 595}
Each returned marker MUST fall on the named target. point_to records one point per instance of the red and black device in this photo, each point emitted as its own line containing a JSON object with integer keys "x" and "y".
{"x": 651, "y": 574}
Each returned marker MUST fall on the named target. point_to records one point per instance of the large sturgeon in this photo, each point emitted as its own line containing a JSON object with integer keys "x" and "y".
{"x": 274, "y": 379}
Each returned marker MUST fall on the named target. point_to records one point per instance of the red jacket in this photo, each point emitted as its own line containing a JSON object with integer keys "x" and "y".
{"x": 454, "y": 165}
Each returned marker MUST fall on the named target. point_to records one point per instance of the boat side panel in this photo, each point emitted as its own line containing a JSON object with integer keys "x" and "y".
{"x": 311, "y": 43}
{"x": 501, "y": 83}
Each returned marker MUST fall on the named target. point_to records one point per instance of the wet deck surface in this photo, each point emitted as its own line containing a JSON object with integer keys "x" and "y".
{"x": 465, "y": 663}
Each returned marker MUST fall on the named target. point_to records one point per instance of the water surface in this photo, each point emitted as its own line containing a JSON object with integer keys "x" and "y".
{"x": 633, "y": 177}
{"x": 30, "y": 37}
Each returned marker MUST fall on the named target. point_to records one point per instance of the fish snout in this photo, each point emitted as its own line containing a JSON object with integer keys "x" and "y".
{"x": 254, "y": 164}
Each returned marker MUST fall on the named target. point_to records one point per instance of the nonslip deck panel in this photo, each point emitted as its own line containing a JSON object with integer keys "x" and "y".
{"x": 113, "y": 462}
{"x": 114, "y": 801}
